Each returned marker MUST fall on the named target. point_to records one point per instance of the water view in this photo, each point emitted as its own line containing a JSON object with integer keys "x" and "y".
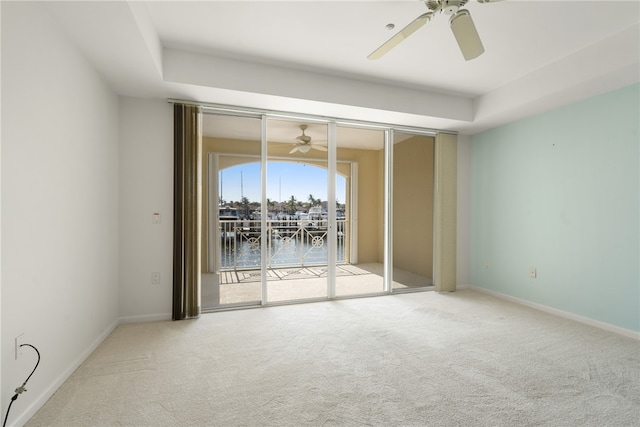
{"x": 289, "y": 243}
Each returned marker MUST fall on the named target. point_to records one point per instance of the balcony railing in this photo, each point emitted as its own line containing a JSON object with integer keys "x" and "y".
{"x": 289, "y": 243}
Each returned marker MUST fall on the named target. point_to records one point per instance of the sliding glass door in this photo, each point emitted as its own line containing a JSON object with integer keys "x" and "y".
{"x": 232, "y": 199}
{"x": 301, "y": 209}
{"x": 298, "y": 218}
{"x": 360, "y": 155}
{"x": 412, "y": 190}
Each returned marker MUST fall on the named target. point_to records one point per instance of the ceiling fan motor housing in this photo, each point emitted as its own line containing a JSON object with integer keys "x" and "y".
{"x": 448, "y": 7}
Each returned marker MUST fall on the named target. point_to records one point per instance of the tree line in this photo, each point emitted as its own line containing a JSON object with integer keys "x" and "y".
{"x": 291, "y": 205}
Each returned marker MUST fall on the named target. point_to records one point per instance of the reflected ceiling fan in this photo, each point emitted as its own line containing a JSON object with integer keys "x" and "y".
{"x": 304, "y": 144}
{"x": 461, "y": 24}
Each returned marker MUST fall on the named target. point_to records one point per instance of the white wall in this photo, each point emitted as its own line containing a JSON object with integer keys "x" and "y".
{"x": 0, "y": 202}
{"x": 146, "y": 186}
{"x": 59, "y": 206}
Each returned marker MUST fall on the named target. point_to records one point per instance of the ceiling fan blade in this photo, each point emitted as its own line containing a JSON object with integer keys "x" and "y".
{"x": 466, "y": 35}
{"x": 294, "y": 150}
{"x": 401, "y": 35}
{"x": 319, "y": 147}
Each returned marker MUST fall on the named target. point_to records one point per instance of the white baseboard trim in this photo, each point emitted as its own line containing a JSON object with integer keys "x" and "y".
{"x": 567, "y": 315}
{"x": 31, "y": 410}
{"x": 146, "y": 318}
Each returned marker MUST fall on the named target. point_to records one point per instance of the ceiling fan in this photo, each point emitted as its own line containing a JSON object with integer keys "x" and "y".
{"x": 461, "y": 24}
{"x": 304, "y": 144}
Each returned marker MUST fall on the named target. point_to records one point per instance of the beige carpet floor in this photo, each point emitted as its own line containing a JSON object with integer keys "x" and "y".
{"x": 419, "y": 359}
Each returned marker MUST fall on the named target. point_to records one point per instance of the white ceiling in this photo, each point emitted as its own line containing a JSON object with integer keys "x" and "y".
{"x": 310, "y": 56}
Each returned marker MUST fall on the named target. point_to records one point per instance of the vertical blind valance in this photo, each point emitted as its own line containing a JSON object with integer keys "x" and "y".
{"x": 187, "y": 208}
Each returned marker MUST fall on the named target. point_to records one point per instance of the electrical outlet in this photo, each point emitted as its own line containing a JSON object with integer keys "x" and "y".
{"x": 19, "y": 341}
{"x": 533, "y": 273}
{"x": 155, "y": 277}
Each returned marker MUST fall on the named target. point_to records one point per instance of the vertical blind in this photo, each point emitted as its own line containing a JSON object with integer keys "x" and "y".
{"x": 445, "y": 217}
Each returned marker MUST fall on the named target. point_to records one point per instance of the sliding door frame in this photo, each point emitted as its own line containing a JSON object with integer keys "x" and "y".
{"x": 387, "y": 263}
{"x": 332, "y": 240}
{"x": 263, "y": 208}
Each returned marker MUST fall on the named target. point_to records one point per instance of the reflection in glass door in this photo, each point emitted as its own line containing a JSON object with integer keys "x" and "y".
{"x": 412, "y": 191}
{"x": 298, "y": 214}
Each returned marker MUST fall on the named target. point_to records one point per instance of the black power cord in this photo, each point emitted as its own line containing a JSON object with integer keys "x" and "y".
{"x": 22, "y": 388}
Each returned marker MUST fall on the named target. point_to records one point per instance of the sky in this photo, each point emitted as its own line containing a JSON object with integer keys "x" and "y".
{"x": 284, "y": 179}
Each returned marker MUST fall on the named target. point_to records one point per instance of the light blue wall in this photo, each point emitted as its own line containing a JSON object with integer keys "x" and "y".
{"x": 560, "y": 192}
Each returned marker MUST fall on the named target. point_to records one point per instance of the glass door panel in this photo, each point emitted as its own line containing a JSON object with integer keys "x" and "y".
{"x": 360, "y": 211}
{"x": 412, "y": 211}
{"x": 297, "y": 245}
{"x": 231, "y": 202}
